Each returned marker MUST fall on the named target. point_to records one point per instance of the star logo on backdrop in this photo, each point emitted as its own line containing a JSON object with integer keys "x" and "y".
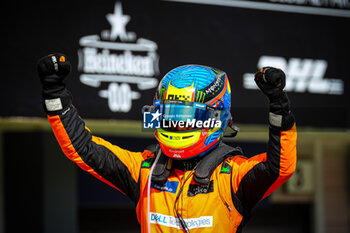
{"x": 117, "y": 41}
{"x": 118, "y": 22}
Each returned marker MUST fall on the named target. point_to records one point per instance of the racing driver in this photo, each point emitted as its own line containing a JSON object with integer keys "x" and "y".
{"x": 190, "y": 181}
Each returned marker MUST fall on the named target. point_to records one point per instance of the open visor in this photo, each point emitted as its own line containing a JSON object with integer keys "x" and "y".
{"x": 189, "y": 115}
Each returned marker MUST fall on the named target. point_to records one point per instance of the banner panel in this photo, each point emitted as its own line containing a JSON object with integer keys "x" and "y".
{"x": 121, "y": 49}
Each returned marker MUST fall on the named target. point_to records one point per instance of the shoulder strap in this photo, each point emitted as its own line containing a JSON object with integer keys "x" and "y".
{"x": 208, "y": 164}
{"x": 204, "y": 169}
{"x": 161, "y": 170}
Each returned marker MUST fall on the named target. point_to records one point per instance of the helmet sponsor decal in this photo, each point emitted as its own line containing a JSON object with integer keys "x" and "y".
{"x": 174, "y": 93}
{"x": 216, "y": 86}
{"x": 200, "y": 96}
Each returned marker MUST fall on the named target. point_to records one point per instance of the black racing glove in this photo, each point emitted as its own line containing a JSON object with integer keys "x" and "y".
{"x": 52, "y": 70}
{"x": 272, "y": 82}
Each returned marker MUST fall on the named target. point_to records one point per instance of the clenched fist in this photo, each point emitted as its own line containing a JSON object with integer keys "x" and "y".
{"x": 271, "y": 82}
{"x": 52, "y": 70}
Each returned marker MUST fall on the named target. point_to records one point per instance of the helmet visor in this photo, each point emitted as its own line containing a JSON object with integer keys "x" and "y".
{"x": 184, "y": 115}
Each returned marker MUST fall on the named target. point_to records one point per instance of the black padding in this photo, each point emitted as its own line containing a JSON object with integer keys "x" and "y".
{"x": 160, "y": 172}
{"x": 208, "y": 164}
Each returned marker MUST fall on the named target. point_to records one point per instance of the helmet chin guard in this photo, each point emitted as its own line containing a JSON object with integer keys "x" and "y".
{"x": 183, "y": 153}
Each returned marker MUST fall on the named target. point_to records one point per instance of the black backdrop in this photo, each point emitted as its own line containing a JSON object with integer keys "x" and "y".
{"x": 230, "y": 38}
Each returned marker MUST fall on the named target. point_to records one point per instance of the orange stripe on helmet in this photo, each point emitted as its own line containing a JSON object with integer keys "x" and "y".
{"x": 221, "y": 93}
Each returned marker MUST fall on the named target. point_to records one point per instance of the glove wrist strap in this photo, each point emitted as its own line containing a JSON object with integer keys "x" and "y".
{"x": 56, "y": 101}
{"x": 280, "y": 116}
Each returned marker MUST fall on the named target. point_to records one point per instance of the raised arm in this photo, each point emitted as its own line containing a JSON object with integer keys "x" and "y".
{"x": 115, "y": 166}
{"x": 260, "y": 175}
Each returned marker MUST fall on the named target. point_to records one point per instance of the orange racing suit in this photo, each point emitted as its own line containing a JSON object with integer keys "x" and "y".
{"x": 224, "y": 205}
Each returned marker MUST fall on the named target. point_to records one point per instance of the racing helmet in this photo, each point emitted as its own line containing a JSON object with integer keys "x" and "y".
{"x": 194, "y": 103}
